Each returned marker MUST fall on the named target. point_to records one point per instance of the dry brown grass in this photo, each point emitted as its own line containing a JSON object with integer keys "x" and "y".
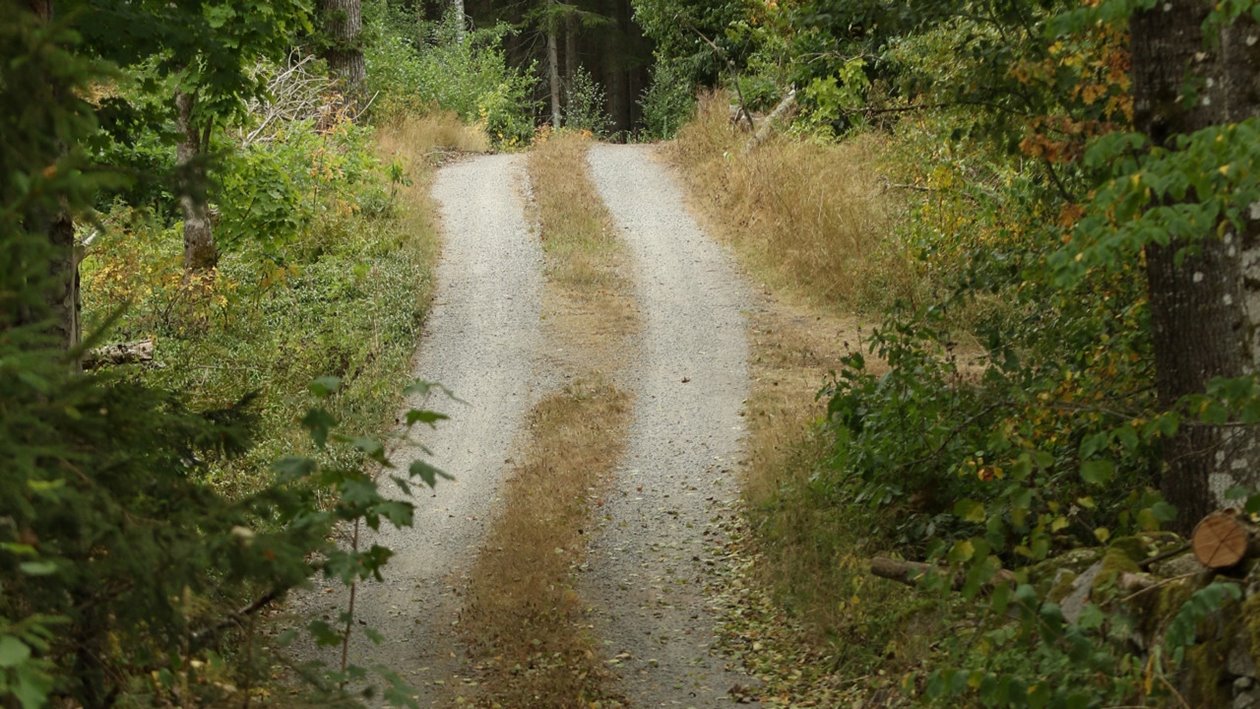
{"x": 430, "y": 136}
{"x": 525, "y": 621}
{"x": 812, "y": 221}
{"x": 807, "y": 217}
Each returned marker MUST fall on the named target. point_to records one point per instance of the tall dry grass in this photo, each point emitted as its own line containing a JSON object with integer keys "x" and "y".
{"x": 809, "y": 217}
{"x": 430, "y": 136}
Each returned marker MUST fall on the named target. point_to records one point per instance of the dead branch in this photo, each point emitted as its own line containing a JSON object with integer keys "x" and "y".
{"x": 912, "y": 573}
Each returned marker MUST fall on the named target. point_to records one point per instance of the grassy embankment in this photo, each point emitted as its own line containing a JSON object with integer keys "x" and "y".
{"x": 524, "y": 619}
{"x": 816, "y": 225}
{"x": 346, "y": 297}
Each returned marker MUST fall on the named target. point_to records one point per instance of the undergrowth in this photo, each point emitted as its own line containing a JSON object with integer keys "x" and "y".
{"x": 345, "y": 296}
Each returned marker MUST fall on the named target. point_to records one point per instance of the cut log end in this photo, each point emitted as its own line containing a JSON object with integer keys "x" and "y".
{"x": 1222, "y": 539}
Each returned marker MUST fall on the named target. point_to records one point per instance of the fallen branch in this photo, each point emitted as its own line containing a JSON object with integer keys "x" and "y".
{"x": 138, "y": 352}
{"x": 911, "y": 573}
{"x": 767, "y": 126}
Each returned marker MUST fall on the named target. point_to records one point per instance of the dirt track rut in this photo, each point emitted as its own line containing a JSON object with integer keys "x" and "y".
{"x": 481, "y": 341}
{"x": 648, "y": 566}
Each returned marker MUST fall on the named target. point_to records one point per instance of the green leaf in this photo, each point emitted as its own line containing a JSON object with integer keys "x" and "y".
{"x": 319, "y": 423}
{"x": 1097, "y": 472}
{"x": 1091, "y": 617}
{"x": 426, "y": 417}
{"x": 293, "y": 468}
{"x": 963, "y": 550}
{"x": 427, "y": 473}
{"x": 13, "y": 652}
{"x": 325, "y": 386}
{"x": 969, "y": 510}
{"x": 38, "y": 568}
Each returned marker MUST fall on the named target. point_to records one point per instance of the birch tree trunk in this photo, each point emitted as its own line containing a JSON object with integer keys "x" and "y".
{"x": 457, "y": 7}
{"x": 343, "y": 25}
{"x": 200, "y": 253}
{"x": 1205, "y": 306}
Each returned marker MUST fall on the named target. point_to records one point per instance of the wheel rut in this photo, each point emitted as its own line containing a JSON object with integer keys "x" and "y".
{"x": 649, "y": 564}
{"x": 481, "y": 341}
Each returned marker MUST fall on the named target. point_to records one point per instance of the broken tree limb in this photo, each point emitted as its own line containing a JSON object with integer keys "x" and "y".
{"x": 1222, "y": 539}
{"x": 767, "y": 126}
{"x": 913, "y": 572}
{"x": 138, "y": 352}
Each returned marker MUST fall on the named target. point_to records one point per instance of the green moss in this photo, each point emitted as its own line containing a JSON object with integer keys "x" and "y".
{"x": 1062, "y": 586}
{"x": 1251, "y": 622}
{"x": 1205, "y": 664}
{"x": 1115, "y": 561}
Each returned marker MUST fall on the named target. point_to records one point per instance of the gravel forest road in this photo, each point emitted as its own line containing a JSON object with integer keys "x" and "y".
{"x": 652, "y": 559}
{"x": 657, "y": 545}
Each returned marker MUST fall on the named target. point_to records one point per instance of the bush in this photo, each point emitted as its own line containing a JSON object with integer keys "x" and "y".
{"x": 464, "y": 72}
{"x": 584, "y": 105}
{"x": 668, "y": 102}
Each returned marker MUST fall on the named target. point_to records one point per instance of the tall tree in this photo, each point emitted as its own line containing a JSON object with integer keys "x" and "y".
{"x": 44, "y": 91}
{"x": 1204, "y": 292}
{"x": 552, "y": 21}
{"x": 343, "y": 28}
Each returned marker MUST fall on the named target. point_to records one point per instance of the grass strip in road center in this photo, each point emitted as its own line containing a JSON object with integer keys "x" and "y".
{"x": 524, "y": 619}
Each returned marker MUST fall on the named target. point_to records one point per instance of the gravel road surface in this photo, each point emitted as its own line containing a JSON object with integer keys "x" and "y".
{"x": 647, "y": 567}
{"x": 481, "y": 340}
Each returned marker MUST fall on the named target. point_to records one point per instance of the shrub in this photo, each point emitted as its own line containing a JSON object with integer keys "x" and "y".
{"x": 464, "y": 72}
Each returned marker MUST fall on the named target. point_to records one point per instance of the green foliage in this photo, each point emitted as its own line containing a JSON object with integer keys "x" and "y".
{"x": 1012, "y": 417}
{"x": 272, "y": 191}
{"x": 668, "y": 102}
{"x": 141, "y": 509}
{"x": 584, "y": 105}
{"x": 465, "y": 72}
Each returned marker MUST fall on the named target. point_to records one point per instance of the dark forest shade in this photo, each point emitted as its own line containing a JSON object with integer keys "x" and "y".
{"x": 606, "y": 42}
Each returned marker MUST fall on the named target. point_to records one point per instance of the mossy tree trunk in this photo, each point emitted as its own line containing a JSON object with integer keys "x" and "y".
{"x": 1205, "y": 302}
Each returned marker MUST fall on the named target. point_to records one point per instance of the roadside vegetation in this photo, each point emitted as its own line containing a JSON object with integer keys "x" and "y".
{"x": 973, "y": 184}
{"x": 249, "y": 234}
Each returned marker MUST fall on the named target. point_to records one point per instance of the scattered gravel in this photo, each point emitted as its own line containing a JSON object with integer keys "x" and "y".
{"x": 651, "y": 561}
{"x": 481, "y": 340}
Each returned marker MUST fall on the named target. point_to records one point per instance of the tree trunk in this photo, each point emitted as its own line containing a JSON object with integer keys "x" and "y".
{"x": 62, "y": 294}
{"x": 570, "y": 52}
{"x": 553, "y": 67}
{"x": 343, "y": 26}
{"x": 1205, "y": 305}
{"x": 457, "y": 8}
{"x": 200, "y": 253}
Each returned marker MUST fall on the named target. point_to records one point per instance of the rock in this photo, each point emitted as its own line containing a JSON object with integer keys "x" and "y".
{"x": 1240, "y": 663}
{"x": 1180, "y": 565}
{"x": 1246, "y": 694}
{"x": 1075, "y": 601}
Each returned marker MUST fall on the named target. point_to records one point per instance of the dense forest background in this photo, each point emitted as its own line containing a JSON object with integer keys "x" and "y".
{"x": 218, "y": 253}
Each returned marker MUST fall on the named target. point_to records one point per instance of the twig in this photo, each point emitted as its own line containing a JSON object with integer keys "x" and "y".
{"x": 354, "y": 585}
{"x": 1148, "y": 563}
